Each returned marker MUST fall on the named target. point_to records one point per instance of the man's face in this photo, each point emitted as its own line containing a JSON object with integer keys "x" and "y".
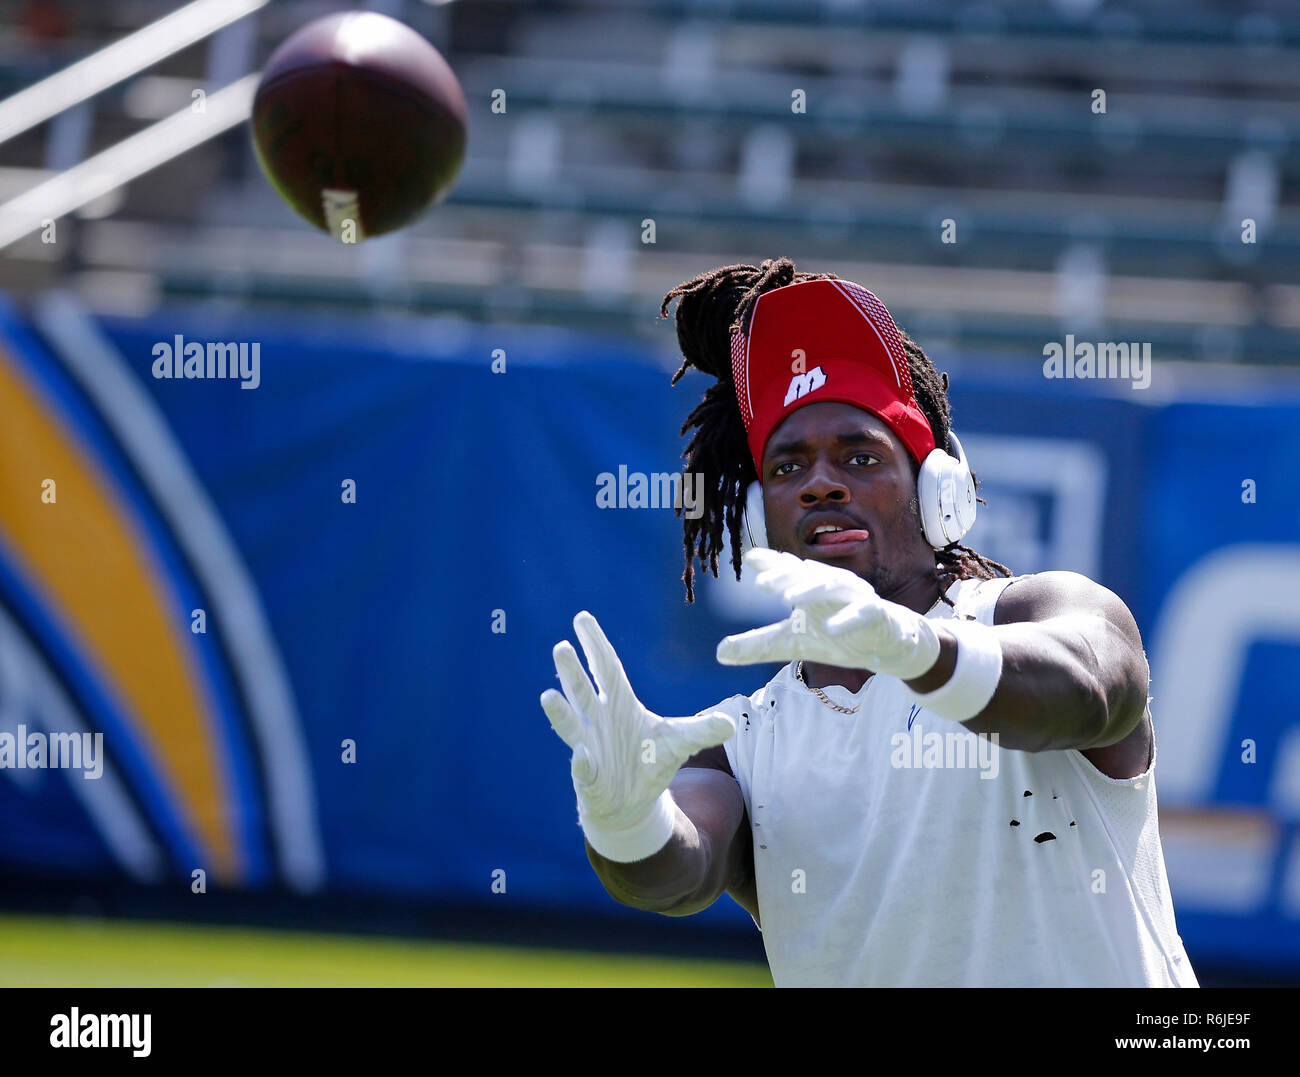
{"x": 835, "y": 464}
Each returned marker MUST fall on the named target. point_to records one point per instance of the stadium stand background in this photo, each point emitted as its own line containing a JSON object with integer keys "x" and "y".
{"x": 681, "y": 112}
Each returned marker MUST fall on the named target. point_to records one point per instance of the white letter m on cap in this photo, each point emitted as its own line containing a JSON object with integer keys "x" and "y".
{"x": 803, "y": 384}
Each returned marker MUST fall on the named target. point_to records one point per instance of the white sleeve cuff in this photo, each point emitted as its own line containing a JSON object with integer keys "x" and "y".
{"x": 973, "y": 682}
{"x": 634, "y": 841}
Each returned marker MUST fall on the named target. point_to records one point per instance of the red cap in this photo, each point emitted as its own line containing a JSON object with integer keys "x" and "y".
{"x": 852, "y": 353}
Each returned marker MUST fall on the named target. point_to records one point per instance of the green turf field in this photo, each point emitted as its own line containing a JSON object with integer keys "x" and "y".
{"x": 47, "y": 952}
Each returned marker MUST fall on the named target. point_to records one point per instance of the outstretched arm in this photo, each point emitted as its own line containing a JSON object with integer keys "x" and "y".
{"x": 1073, "y": 671}
{"x": 660, "y": 837}
{"x": 1062, "y": 667}
{"x": 1074, "y": 674}
{"x": 709, "y": 853}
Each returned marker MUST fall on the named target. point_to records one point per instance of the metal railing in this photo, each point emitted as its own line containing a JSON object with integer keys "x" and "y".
{"x": 119, "y": 164}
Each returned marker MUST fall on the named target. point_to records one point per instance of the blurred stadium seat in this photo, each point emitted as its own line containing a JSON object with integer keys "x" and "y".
{"x": 637, "y": 109}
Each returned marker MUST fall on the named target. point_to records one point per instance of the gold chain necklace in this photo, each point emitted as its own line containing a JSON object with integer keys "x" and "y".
{"x": 798, "y": 672}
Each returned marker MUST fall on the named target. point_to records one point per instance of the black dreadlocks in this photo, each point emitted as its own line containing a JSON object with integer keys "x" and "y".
{"x": 712, "y": 307}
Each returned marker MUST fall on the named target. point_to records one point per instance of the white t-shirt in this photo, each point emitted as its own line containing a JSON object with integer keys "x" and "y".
{"x": 894, "y": 848}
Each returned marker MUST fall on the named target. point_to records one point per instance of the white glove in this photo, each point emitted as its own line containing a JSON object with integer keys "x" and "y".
{"x": 624, "y": 756}
{"x": 838, "y": 619}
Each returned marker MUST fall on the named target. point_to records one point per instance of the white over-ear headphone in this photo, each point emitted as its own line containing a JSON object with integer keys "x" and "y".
{"x": 945, "y": 490}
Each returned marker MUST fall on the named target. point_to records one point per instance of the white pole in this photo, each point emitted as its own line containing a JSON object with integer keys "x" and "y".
{"x": 123, "y": 162}
{"x": 119, "y": 61}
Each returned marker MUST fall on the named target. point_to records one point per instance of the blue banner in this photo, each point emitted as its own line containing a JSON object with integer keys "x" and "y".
{"x": 304, "y": 576}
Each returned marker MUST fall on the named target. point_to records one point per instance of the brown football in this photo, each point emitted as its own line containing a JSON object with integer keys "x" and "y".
{"x": 359, "y": 123}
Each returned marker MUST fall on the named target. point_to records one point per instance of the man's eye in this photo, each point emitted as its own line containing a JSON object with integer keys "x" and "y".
{"x": 779, "y": 469}
{"x": 864, "y": 456}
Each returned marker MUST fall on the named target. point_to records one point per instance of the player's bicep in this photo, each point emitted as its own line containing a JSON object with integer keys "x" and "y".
{"x": 712, "y": 800}
{"x": 714, "y": 758}
{"x": 1049, "y": 596}
{"x": 1094, "y": 622}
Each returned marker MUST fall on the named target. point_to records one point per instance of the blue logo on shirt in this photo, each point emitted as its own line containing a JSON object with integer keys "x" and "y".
{"x": 916, "y": 709}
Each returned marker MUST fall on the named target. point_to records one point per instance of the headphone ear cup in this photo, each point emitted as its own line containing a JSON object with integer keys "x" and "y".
{"x": 755, "y": 521}
{"x": 963, "y": 507}
{"x": 963, "y": 488}
{"x": 945, "y": 490}
{"x": 927, "y": 496}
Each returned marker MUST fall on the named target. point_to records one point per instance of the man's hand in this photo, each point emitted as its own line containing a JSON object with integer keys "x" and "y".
{"x": 624, "y": 756}
{"x": 837, "y": 619}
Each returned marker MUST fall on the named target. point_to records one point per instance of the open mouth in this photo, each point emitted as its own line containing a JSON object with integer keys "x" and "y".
{"x": 826, "y": 535}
